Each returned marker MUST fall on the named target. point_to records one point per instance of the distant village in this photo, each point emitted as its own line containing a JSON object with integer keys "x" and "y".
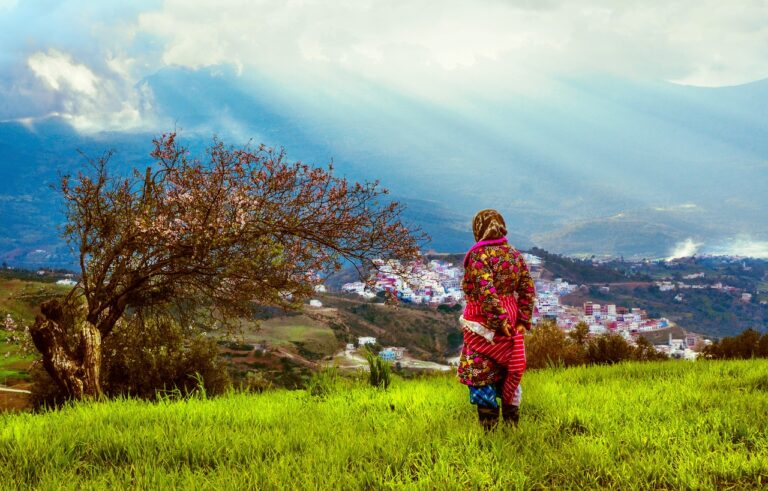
{"x": 435, "y": 283}
{"x": 680, "y": 286}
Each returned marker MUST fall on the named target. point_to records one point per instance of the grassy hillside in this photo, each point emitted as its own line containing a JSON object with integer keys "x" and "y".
{"x": 667, "y": 425}
{"x": 427, "y": 333}
{"x": 292, "y": 345}
{"x": 22, "y": 298}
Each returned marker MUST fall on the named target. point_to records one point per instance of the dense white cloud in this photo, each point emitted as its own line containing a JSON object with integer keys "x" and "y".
{"x": 490, "y": 42}
{"x": 88, "y": 101}
{"x": 60, "y": 73}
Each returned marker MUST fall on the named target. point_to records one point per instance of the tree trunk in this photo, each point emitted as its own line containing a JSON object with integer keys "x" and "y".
{"x": 77, "y": 371}
{"x": 90, "y": 347}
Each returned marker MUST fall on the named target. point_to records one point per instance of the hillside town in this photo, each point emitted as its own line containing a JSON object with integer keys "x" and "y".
{"x": 435, "y": 283}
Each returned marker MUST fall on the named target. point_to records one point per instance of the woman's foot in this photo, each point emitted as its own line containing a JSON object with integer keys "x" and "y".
{"x": 488, "y": 417}
{"x": 510, "y": 413}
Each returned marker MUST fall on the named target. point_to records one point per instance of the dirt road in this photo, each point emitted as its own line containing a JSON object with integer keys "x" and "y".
{"x": 351, "y": 359}
{"x": 3, "y": 388}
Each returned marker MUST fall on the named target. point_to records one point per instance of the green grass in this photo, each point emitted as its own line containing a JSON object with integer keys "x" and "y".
{"x": 636, "y": 426}
{"x": 6, "y": 373}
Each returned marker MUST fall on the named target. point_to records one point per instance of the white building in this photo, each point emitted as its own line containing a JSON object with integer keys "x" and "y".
{"x": 363, "y": 340}
{"x": 665, "y": 286}
{"x": 597, "y": 329}
{"x": 354, "y": 287}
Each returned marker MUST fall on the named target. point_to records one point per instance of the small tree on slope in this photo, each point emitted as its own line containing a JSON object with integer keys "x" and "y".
{"x": 243, "y": 226}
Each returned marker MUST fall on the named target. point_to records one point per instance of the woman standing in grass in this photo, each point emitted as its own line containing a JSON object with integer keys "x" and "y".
{"x": 500, "y": 295}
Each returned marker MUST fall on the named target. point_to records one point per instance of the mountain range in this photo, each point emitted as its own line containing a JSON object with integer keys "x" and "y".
{"x": 585, "y": 166}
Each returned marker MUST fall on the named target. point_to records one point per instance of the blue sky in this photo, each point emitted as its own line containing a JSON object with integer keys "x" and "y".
{"x": 536, "y": 94}
{"x": 84, "y": 60}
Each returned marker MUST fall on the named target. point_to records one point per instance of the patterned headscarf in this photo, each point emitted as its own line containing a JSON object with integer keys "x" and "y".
{"x": 488, "y": 225}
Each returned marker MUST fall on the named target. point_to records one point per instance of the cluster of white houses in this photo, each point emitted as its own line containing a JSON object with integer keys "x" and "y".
{"x": 432, "y": 283}
{"x": 601, "y": 318}
{"x": 604, "y": 318}
{"x": 681, "y": 285}
{"x": 682, "y": 347}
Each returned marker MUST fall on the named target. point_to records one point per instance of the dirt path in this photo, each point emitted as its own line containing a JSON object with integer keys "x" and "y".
{"x": 15, "y": 391}
{"x": 354, "y": 360}
{"x": 14, "y": 400}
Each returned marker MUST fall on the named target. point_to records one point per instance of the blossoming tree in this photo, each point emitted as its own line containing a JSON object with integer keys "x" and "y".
{"x": 240, "y": 226}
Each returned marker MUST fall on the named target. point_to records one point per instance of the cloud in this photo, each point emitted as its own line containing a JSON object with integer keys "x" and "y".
{"x": 743, "y": 246}
{"x": 446, "y": 45}
{"x": 90, "y": 102}
{"x": 60, "y": 73}
{"x": 681, "y": 207}
{"x": 7, "y": 5}
{"x": 451, "y": 52}
{"x": 687, "y": 248}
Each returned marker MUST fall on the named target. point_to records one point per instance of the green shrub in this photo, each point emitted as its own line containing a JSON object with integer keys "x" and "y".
{"x": 255, "y": 381}
{"x": 547, "y": 345}
{"x": 608, "y": 349}
{"x": 324, "y": 381}
{"x": 748, "y": 344}
{"x": 644, "y": 351}
{"x": 380, "y": 371}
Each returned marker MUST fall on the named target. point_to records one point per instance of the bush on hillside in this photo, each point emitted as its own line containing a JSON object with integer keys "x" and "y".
{"x": 644, "y": 351}
{"x": 748, "y": 344}
{"x": 324, "y": 381}
{"x": 547, "y": 345}
{"x": 449, "y": 309}
{"x": 608, "y": 349}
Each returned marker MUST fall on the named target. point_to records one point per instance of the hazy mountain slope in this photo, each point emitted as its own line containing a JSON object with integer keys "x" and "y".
{"x": 580, "y": 150}
{"x": 586, "y": 165}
